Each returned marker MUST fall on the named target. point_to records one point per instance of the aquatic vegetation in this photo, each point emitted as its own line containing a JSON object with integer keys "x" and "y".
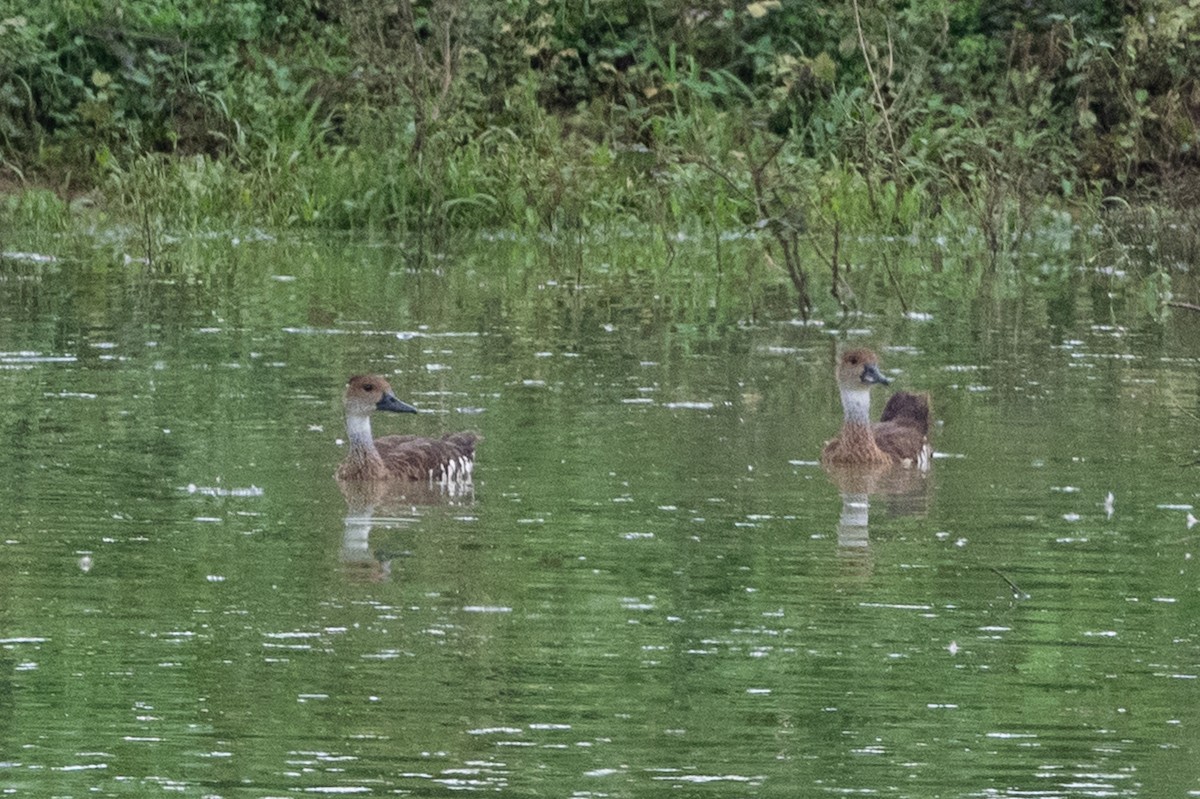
{"x": 802, "y": 127}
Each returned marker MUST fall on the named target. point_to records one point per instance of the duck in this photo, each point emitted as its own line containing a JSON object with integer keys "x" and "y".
{"x": 446, "y": 460}
{"x": 900, "y": 437}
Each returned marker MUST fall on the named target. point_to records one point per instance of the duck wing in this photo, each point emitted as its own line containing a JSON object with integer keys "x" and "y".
{"x": 908, "y": 410}
{"x": 419, "y": 458}
{"x": 902, "y": 442}
{"x": 903, "y": 432}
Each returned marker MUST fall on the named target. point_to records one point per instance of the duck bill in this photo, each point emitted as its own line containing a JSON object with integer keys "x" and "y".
{"x": 871, "y": 374}
{"x": 389, "y": 403}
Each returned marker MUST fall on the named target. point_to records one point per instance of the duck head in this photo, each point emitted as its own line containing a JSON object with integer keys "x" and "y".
{"x": 368, "y": 393}
{"x": 858, "y": 369}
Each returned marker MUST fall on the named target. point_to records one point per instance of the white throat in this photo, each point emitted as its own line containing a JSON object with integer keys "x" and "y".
{"x": 358, "y": 430}
{"x": 857, "y": 404}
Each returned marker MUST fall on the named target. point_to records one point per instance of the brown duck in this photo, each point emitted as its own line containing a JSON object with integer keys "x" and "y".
{"x": 449, "y": 459}
{"x": 900, "y": 437}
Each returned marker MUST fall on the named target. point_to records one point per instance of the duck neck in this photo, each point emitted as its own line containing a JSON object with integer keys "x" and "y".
{"x": 358, "y": 432}
{"x": 856, "y": 402}
{"x": 362, "y": 444}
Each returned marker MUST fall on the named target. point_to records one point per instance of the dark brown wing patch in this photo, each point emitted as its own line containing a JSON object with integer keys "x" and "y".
{"x": 908, "y": 409}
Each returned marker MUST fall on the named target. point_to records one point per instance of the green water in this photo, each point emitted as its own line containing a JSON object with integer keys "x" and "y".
{"x": 651, "y": 588}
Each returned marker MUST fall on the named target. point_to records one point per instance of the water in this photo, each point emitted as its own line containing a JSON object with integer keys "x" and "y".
{"x": 651, "y": 588}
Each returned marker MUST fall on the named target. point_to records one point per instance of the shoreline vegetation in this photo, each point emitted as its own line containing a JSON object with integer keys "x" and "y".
{"x": 812, "y": 126}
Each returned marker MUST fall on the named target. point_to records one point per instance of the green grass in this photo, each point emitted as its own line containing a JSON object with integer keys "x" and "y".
{"x": 576, "y": 122}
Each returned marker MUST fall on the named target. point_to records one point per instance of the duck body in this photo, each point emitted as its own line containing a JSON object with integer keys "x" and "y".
{"x": 449, "y": 459}
{"x": 900, "y": 437}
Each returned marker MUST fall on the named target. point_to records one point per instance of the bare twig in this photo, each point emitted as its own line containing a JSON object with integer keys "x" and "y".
{"x": 728, "y": 180}
{"x": 1185, "y": 305}
{"x": 1016, "y": 589}
{"x": 875, "y": 84}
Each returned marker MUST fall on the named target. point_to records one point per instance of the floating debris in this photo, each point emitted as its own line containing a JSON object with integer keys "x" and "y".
{"x": 216, "y": 491}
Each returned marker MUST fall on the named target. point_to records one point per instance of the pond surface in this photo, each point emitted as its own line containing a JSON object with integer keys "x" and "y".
{"x": 651, "y": 588}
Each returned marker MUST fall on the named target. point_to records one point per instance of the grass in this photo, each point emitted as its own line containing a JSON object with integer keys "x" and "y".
{"x": 858, "y": 180}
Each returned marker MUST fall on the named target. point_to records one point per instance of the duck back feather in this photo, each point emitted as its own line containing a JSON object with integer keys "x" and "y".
{"x": 903, "y": 430}
{"x": 449, "y": 458}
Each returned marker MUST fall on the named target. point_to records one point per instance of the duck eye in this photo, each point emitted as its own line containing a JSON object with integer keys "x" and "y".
{"x": 853, "y": 360}
{"x": 368, "y": 387}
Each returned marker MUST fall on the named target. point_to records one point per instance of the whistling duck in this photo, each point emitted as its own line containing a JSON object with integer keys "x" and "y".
{"x": 901, "y": 435}
{"x": 448, "y": 459}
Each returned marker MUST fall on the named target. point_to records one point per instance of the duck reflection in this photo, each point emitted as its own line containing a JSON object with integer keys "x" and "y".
{"x": 903, "y": 492}
{"x": 388, "y": 504}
